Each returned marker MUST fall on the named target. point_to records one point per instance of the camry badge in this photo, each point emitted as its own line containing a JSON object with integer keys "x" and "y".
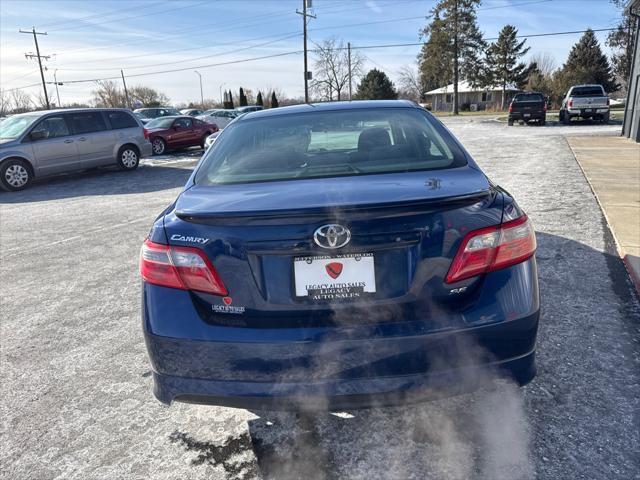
{"x": 332, "y": 236}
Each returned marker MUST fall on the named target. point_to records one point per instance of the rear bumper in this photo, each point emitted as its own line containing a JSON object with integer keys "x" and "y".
{"x": 346, "y": 374}
{"x": 145, "y": 150}
{"x": 588, "y": 112}
{"x": 343, "y": 394}
{"x": 531, "y": 116}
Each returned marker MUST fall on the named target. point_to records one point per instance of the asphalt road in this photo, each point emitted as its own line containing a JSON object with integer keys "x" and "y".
{"x": 75, "y": 386}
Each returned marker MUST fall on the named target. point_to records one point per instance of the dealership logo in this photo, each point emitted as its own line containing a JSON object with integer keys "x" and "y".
{"x": 332, "y": 236}
{"x": 334, "y": 269}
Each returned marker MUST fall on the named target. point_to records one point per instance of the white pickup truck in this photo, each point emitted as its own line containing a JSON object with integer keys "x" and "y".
{"x": 585, "y": 101}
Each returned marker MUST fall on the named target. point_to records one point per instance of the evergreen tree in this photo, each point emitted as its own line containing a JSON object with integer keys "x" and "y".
{"x": 375, "y": 85}
{"x": 435, "y": 65}
{"x": 259, "y": 100}
{"x": 454, "y": 45}
{"x": 274, "y": 100}
{"x": 243, "y": 98}
{"x": 230, "y": 99}
{"x": 587, "y": 64}
{"x": 502, "y": 67}
{"x": 621, "y": 41}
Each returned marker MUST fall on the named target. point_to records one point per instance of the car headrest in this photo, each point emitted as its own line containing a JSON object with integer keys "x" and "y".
{"x": 371, "y": 138}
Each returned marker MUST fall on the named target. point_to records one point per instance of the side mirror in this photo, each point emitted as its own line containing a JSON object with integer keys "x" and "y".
{"x": 37, "y": 135}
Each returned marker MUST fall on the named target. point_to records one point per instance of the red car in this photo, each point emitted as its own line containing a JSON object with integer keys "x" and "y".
{"x": 166, "y": 133}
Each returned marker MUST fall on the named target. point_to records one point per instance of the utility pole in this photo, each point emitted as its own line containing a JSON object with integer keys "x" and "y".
{"x": 349, "y": 63}
{"x": 201, "y": 96}
{"x": 307, "y": 74}
{"x": 126, "y": 92}
{"x": 39, "y": 57}
{"x": 55, "y": 80}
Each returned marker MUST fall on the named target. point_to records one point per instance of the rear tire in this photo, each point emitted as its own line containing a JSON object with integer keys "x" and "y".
{"x": 542, "y": 122}
{"x": 128, "y": 158}
{"x": 203, "y": 141}
{"x": 158, "y": 146}
{"x": 606, "y": 117}
{"x": 564, "y": 118}
{"x": 15, "y": 175}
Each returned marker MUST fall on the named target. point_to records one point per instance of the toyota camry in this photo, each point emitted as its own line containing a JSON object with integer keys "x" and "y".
{"x": 338, "y": 255}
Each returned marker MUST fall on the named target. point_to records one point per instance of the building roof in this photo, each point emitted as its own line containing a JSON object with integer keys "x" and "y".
{"x": 465, "y": 87}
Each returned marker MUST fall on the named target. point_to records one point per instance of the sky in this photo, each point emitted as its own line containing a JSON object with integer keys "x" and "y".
{"x": 95, "y": 39}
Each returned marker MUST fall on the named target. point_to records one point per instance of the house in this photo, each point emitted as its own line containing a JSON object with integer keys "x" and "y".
{"x": 631, "y": 125}
{"x": 469, "y": 97}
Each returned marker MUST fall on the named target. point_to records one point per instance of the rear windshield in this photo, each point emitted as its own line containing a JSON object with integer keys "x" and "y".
{"x": 329, "y": 144}
{"x": 528, "y": 97}
{"x": 596, "y": 91}
{"x": 160, "y": 123}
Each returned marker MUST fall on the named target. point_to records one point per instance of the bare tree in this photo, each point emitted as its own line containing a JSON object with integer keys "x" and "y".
{"x": 332, "y": 69}
{"x": 545, "y": 62}
{"x": 108, "y": 94}
{"x": 148, "y": 96}
{"x": 5, "y": 102}
{"x": 410, "y": 83}
{"x": 21, "y": 101}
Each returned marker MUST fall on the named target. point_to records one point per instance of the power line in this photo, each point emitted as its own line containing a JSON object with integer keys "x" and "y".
{"x": 103, "y": 14}
{"x": 219, "y": 54}
{"x": 264, "y": 57}
{"x": 228, "y": 25}
{"x": 146, "y": 14}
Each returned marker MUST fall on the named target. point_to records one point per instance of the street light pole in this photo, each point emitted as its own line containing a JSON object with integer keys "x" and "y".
{"x": 55, "y": 80}
{"x": 201, "y": 96}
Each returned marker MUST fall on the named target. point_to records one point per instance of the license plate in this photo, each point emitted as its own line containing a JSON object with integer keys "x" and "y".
{"x": 334, "y": 277}
{"x": 588, "y": 110}
{"x": 527, "y": 115}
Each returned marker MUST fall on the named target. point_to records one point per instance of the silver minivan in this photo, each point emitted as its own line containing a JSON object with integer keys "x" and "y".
{"x": 45, "y": 143}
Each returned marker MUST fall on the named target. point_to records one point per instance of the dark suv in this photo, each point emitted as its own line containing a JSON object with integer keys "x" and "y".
{"x": 528, "y": 106}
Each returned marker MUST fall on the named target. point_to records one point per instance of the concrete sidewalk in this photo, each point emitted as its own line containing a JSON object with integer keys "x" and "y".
{"x": 612, "y": 167}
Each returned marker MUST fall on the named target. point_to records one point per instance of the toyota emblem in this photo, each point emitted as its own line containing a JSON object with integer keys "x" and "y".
{"x": 332, "y": 236}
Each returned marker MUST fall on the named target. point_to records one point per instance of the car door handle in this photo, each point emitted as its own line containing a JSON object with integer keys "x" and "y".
{"x": 82, "y": 139}
{"x": 68, "y": 141}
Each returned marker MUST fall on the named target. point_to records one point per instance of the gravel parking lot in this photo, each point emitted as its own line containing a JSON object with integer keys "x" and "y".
{"x": 76, "y": 397}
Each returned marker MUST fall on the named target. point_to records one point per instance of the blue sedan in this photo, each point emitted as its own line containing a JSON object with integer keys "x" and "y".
{"x": 338, "y": 255}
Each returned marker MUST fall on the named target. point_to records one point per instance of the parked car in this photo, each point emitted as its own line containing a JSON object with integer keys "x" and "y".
{"x": 212, "y": 138}
{"x": 585, "y": 101}
{"x": 528, "y": 106}
{"x": 249, "y": 108}
{"x": 152, "y": 113}
{"x": 337, "y": 255}
{"x": 48, "y": 142}
{"x": 144, "y": 120}
{"x": 219, "y": 116}
{"x": 177, "y": 132}
{"x": 191, "y": 112}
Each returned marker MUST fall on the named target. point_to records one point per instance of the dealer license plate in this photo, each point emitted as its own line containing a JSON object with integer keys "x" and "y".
{"x": 334, "y": 277}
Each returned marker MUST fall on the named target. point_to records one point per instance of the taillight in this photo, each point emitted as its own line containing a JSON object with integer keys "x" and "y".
{"x": 570, "y": 103}
{"x": 146, "y": 133}
{"x": 179, "y": 267}
{"x": 510, "y": 108}
{"x": 608, "y": 102}
{"x": 493, "y": 248}
{"x": 544, "y": 107}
